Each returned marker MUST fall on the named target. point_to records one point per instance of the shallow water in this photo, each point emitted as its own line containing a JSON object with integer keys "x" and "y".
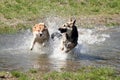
{"x": 96, "y": 48}
{"x": 102, "y": 51}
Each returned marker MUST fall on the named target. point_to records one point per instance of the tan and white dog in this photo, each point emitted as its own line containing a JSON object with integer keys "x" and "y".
{"x": 69, "y": 36}
{"x": 40, "y": 34}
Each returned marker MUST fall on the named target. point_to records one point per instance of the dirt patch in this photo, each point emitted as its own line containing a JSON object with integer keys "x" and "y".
{"x": 82, "y": 21}
{"x": 99, "y": 20}
{"x": 6, "y": 76}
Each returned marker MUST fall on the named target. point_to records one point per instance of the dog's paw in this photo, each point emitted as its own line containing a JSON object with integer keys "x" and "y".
{"x": 67, "y": 51}
{"x": 31, "y": 49}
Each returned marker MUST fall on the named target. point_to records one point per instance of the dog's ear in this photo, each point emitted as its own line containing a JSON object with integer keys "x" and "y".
{"x": 45, "y": 27}
{"x": 34, "y": 27}
{"x": 72, "y": 21}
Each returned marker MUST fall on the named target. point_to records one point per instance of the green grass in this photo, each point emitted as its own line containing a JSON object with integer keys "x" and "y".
{"x": 33, "y": 71}
{"x": 112, "y": 24}
{"x": 88, "y": 73}
{"x": 11, "y": 29}
{"x": 30, "y": 10}
{"x": 20, "y": 75}
{"x": 84, "y": 73}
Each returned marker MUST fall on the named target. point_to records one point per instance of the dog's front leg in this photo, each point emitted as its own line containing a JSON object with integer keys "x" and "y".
{"x": 62, "y": 45}
{"x": 33, "y": 43}
{"x": 63, "y": 42}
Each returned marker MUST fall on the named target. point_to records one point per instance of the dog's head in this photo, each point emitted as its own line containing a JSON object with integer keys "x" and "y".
{"x": 67, "y": 27}
{"x": 39, "y": 28}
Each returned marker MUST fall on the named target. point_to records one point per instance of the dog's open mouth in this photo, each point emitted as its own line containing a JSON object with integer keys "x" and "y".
{"x": 62, "y": 30}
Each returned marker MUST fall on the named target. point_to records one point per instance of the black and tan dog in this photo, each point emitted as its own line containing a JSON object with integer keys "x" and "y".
{"x": 69, "y": 36}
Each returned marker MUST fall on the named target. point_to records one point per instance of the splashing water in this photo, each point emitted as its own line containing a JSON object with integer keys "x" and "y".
{"x": 53, "y": 24}
{"x": 18, "y": 45}
{"x": 91, "y": 36}
{"x": 86, "y": 37}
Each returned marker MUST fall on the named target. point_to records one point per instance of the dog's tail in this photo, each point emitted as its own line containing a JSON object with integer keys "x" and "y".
{"x": 56, "y": 34}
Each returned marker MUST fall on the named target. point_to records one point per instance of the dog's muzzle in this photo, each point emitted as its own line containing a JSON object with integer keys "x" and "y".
{"x": 40, "y": 34}
{"x": 62, "y": 30}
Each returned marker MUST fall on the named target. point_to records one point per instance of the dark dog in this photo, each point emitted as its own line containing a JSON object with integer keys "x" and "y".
{"x": 69, "y": 35}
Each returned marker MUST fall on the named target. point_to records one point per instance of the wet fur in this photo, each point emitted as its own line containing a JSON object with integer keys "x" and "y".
{"x": 69, "y": 36}
{"x": 40, "y": 35}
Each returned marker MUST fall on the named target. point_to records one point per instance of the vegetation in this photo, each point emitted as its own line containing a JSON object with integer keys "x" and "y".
{"x": 84, "y": 73}
{"x": 4, "y": 28}
{"x": 32, "y": 9}
{"x": 15, "y": 12}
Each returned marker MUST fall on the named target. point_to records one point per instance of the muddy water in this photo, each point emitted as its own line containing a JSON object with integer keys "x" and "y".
{"x": 96, "y": 48}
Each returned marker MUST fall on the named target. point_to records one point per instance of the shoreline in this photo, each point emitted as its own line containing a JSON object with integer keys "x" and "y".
{"x": 89, "y": 21}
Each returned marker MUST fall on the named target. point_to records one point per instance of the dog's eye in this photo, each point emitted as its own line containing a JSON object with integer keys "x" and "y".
{"x": 64, "y": 25}
{"x": 68, "y": 25}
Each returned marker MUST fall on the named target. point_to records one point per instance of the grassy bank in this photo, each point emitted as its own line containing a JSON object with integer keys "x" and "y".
{"x": 32, "y": 9}
{"x": 11, "y": 29}
{"x": 85, "y": 73}
{"x": 26, "y": 12}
